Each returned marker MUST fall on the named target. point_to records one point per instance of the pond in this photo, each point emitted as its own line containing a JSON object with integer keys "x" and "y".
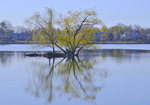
{"x": 108, "y": 76}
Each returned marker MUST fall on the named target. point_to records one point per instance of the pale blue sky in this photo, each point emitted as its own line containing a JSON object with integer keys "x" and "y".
{"x": 111, "y": 12}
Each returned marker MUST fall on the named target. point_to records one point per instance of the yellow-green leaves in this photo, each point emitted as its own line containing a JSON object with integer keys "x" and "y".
{"x": 104, "y": 33}
{"x": 104, "y": 29}
{"x": 43, "y": 26}
{"x": 76, "y": 29}
{"x": 34, "y": 37}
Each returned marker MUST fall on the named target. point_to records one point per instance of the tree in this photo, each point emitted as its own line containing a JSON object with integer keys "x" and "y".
{"x": 6, "y": 29}
{"x": 74, "y": 31}
{"x": 3, "y": 25}
{"x": 104, "y": 32}
{"x": 44, "y": 32}
{"x": 77, "y": 30}
{"x": 20, "y": 29}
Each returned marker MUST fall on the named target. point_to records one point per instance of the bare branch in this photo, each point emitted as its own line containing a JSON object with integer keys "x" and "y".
{"x": 81, "y": 25}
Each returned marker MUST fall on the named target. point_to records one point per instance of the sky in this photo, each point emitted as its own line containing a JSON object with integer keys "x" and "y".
{"x": 111, "y": 12}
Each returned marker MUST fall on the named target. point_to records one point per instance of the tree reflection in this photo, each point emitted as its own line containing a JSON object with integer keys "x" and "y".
{"x": 5, "y": 57}
{"x": 72, "y": 77}
{"x": 78, "y": 79}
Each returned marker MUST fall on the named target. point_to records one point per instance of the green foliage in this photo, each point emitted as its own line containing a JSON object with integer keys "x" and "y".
{"x": 77, "y": 29}
{"x": 104, "y": 33}
{"x": 104, "y": 29}
{"x": 44, "y": 32}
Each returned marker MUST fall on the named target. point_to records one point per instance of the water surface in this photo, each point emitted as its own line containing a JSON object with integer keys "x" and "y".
{"x": 104, "y": 77}
{"x": 35, "y": 47}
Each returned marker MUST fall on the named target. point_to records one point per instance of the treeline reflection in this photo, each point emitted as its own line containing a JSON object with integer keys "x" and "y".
{"x": 9, "y": 56}
{"x": 118, "y": 54}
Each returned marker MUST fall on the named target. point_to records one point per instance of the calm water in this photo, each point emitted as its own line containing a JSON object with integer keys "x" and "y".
{"x": 104, "y": 77}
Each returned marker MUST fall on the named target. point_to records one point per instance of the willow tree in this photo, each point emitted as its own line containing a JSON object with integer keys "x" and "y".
{"x": 77, "y": 30}
{"x": 44, "y": 32}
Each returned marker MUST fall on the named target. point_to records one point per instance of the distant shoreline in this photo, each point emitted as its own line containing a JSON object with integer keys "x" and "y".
{"x": 121, "y": 43}
{"x": 104, "y": 42}
{"x": 94, "y": 43}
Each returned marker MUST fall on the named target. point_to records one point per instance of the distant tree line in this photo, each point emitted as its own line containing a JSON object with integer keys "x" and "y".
{"x": 11, "y": 34}
{"x": 122, "y": 32}
{"x": 117, "y": 33}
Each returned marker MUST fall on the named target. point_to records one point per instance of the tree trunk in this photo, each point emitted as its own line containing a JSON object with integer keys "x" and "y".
{"x": 79, "y": 50}
{"x": 60, "y": 48}
{"x": 70, "y": 53}
{"x": 53, "y": 48}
